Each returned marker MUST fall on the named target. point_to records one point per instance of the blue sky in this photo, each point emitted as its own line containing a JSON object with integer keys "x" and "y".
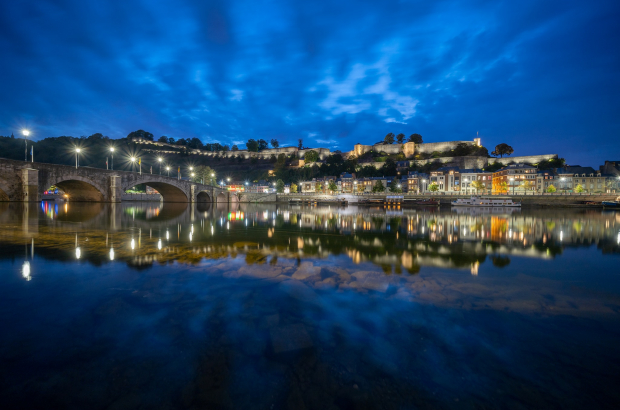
{"x": 542, "y": 76}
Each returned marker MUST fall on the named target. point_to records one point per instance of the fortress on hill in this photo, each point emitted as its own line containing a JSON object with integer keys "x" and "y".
{"x": 409, "y": 149}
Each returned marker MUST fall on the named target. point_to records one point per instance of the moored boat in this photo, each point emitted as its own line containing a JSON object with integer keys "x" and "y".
{"x": 612, "y": 204}
{"x": 481, "y": 201}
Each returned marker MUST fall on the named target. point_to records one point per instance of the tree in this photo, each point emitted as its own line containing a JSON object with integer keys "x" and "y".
{"x": 204, "y": 174}
{"x": 378, "y": 187}
{"x": 318, "y": 187}
{"x": 400, "y": 138}
{"x": 311, "y": 156}
{"x": 433, "y": 187}
{"x": 235, "y": 147}
{"x": 163, "y": 139}
{"x": 279, "y": 186}
{"x": 262, "y": 144}
{"x": 417, "y": 138}
{"x": 170, "y": 140}
{"x": 140, "y": 134}
{"x": 389, "y": 138}
{"x": 396, "y": 188}
{"x": 300, "y": 143}
{"x": 551, "y": 189}
{"x": 281, "y": 161}
{"x": 502, "y": 149}
{"x": 579, "y": 189}
{"x": 293, "y": 188}
{"x": 275, "y": 143}
{"x": 332, "y": 186}
{"x": 389, "y": 167}
{"x": 478, "y": 185}
{"x": 502, "y": 187}
{"x": 272, "y": 158}
{"x": 252, "y": 145}
{"x": 360, "y": 188}
{"x": 527, "y": 185}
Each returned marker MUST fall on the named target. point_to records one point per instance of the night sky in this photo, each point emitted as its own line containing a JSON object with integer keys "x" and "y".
{"x": 542, "y": 76}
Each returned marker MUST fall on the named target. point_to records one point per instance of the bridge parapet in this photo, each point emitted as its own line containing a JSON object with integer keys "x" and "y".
{"x": 26, "y": 181}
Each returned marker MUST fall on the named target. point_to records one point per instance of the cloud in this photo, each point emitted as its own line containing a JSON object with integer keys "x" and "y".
{"x": 541, "y": 76}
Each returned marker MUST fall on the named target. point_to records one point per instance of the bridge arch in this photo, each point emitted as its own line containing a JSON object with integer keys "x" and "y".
{"x": 222, "y": 198}
{"x": 203, "y": 196}
{"x": 168, "y": 192}
{"x": 78, "y": 188}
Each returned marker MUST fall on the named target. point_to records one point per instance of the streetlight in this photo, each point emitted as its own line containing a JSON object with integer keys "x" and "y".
{"x": 512, "y": 185}
{"x": 112, "y": 154}
{"x": 423, "y": 184}
{"x": 77, "y": 157}
{"x": 168, "y": 169}
{"x": 133, "y": 162}
{"x": 159, "y": 159}
{"x": 26, "y": 133}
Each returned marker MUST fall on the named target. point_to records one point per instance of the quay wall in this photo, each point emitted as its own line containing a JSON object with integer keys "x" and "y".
{"x": 550, "y": 200}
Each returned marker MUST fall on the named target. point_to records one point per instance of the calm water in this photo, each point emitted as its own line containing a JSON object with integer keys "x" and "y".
{"x": 274, "y": 307}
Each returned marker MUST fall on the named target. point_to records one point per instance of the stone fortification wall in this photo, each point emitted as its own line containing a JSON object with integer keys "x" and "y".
{"x": 431, "y": 147}
{"x": 531, "y": 159}
{"x": 461, "y": 162}
{"x": 388, "y": 148}
{"x": 323, "y": 152}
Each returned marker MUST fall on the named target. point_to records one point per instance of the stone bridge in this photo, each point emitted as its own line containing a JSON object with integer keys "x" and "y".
{"x": 26, "y": 181}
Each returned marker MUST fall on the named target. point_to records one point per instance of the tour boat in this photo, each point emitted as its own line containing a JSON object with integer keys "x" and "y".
{"x": 479, "y": 201}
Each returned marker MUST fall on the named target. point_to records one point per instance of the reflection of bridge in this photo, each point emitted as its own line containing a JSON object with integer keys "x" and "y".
{"x": 26, "y": 181}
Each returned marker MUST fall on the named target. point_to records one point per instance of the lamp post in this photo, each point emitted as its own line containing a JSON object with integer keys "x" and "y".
{"x": 112, "y": 155}
{"x": 26, "y": 133}
{"x": 168, "y": 170}
{"x": 512, "y": 185}
{"x": 77, "y": 157}
{"x": 423, "y": 185}
{"x": 133, "y": 162}
{"x": 159, "y": 159}
{"x": 563, "y": 184}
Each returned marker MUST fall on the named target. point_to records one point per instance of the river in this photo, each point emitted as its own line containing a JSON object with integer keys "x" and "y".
{"x": 265, "y": 306}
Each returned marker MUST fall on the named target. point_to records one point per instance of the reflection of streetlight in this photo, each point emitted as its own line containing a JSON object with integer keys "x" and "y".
{"x": 26, "y": 133}
{"x": 77, "y": 157}
{"x": 78, "y": 253}
{"x": 111, "y": 254}
{"x": 26, "y": 270}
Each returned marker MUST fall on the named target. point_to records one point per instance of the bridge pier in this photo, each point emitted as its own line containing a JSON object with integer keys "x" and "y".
{"x": 116, "y": 190}
{"x": 30, "y": 185}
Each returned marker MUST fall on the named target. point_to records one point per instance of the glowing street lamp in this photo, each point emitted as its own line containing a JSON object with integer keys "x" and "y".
{"x": 513, "y": 185}
{"x": 168, "y": 170}
{"x": 159, "y": 159}
{"x": 26, "y": 133}
{"x": 133, "y": 162}
{"x": 77, "y": 157}
{"x": 112, "y": 155}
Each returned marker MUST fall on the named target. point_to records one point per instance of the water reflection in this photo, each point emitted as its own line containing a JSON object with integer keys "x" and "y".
{"x": 274, "y": 306}
{"x": 410, "y": 240}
